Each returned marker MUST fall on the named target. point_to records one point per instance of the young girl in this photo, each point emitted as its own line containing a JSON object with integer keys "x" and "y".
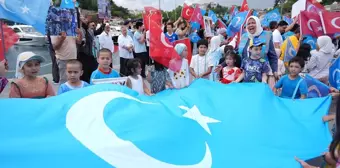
{"x": 159, "y": 78}
{"x": 3, "y": 80}
{"x": 30, "y": 86}
{"x": 232, "y": 71}
{"x": 181, "y": 78}
{"x": 135, "y": 80}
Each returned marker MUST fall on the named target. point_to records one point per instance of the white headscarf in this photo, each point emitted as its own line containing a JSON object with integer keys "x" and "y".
{"x": 215, "y": 43}
{"x": 325, "y": 44}
{"x": 259, "y": 28}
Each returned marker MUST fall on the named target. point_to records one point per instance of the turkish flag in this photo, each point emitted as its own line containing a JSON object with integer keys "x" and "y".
{"x": 220, "y": 24}
{"x": 10, "y": 39}
{"x": 311, "y": 24}
{"x": 314, "y": 6}
{"x": 151, "y": 13}
{"x": 330, "y": 22}
{"x": 244, "y": 6}
{"x": 197, "y": 16}
{"x": 161, "y": 50}
{"x": 185, "y": 41}
{"x": 187, "y": 11}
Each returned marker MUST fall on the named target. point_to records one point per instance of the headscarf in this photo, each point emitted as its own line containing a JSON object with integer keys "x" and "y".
{"x": 180, "y": 48}
{"x": 325, "y": 44}
{"x": 215, "y": 43}
{"x": 259, "y": 28}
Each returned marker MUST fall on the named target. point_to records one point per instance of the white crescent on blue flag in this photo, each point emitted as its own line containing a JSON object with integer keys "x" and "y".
{"x": 290, "y": 51}
{"x": 110, "y": 126}
{"x": 26, "y": 12}
{"x": 69, "y": 4}
{"x": 311, "y": 41}
{"x": 334, "y": 74}
{"x": 194, "y": 37}
{"x": 273, "y": 15}
{"x": 237, "y": 21}
{"x": 315, "y": 87}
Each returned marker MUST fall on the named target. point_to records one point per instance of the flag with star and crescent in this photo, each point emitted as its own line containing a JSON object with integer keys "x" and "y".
{"x": 26, "y": 12}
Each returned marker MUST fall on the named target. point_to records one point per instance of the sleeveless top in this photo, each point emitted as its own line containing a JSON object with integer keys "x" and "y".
{"x": 137, "y": 84}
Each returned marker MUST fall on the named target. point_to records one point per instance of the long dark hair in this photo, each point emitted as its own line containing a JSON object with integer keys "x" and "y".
{"x": 235, "y": 57}
{"x": 304, "y": 51}
{"x": 336, "y": 139}
{"x": 132, "y": 64}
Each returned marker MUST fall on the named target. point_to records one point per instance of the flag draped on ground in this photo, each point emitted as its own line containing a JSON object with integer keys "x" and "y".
{"x": 26, "y": 12}
{"x": 110, "y": 126}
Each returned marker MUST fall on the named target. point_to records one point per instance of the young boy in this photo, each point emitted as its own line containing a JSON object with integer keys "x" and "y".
{"x": 254, "y": 68}
{"x": 201, "y": 65}
{"x": 104, "y": 70}
{"x": 74, "y": 70}
{"x": 290, "y": 82}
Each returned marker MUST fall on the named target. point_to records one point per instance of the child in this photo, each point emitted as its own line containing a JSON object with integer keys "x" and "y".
{"x": 135, "y": 80}
{"x": 292, "y": 83}
{"x": 201, "y": 66}
{"x": 30, "y": 86}
{"x": 254, "y": 68}
{"x": 232, "y": 71}
{"x": 74, "y": 70}
{"x": 181, "y": 78}
{"x": 104, "y": 70}
{"x": 159, "y": 78}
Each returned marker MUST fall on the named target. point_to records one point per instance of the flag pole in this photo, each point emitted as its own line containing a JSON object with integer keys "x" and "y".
{"x": 2, "y": 38}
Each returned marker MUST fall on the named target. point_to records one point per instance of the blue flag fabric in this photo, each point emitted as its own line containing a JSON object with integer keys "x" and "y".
{"x": 255, "y": 13}
{"x": 236, "y": 23}
{"x": 315, "y": 87}
{"x": 110, "y": 126}
{"x": 288, "y": 20}
{"x": 311, "y": 41}
{"x": 68, "y": 4}
{"x": 195, "y": 25}
{"x": 213, "y": 16}
{"x": 290, "y": 52}
{"x": 334, "y": 74}
{"x": 26, "y": 12}
{"x": 273, "y": 15}
{"x": 203, "y": 12}
{"x": 194, "y": 37}
{"x": 226, "y": 17}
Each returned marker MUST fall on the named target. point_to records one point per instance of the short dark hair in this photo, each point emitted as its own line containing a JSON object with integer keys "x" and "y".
{"x": 273, "y": 25}
{"x": 74, "y": 62}
{"x": 170, "y": 24}
{"x": 282, "y": 23}
{"x": 202, "y": 42}
{"x": 296, "y": 28}
{"x": 104, "y": 50}
{"x": 138, "y": 25}
{"x": 298, "y": 60}
{"x": 132, "y": 64}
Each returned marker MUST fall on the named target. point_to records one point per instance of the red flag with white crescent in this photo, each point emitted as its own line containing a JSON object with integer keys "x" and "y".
{"x": 330, "y": 22}
{"x": 161, "y": 50}
{"x": 244, "y": 6}
{"x": 10, "y": 39}
{"x": 220, "y": 24}
{"x": 185, "y": 41}
{"x": 314, "y": 6}
{"x": 197, "y": 16}
{"x": 151, "y": 13}
{"x": 311, "y": 24}
{"x": 187, "y": 11}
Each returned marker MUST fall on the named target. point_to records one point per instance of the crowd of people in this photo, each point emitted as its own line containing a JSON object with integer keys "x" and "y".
{"x": 258, "y": 55}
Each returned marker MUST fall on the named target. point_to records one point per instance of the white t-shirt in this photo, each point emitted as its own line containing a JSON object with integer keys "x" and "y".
{"x": 105, "y": 41}
{"x": 201, "y": 64}
{"x": 277, "y": 37}
{"x": 125, "y": 41}
{"x": 180, "y": 79}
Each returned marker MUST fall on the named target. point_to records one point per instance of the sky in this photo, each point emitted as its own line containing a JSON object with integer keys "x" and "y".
{"x": 170, "y": 4}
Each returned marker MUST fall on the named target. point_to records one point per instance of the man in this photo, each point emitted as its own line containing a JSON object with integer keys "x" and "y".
{"x": 65, "y": 49}
{"x": 139, "y": 46}
{"x": 277, "y": 34}
{"x": 125, "y": 43}
{"x": 170, "y": 35}
{"x": 105, "y": 39}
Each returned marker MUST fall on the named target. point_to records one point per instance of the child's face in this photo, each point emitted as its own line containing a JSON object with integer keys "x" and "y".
{"x": 73, "y": 72}
{"x": 256, "y": 51}
{"x": 202, "y": 49}
{"x": 294, "y": 68}
{"x": 138, "y": 70}
{"x": 31, "y": 68}
{"x": 104, "y": 60}
{"x": 184, "y": 53}
{"x": 229, "y": 61}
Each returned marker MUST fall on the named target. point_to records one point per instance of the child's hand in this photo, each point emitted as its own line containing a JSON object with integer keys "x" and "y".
{"x": 328, "y": 118}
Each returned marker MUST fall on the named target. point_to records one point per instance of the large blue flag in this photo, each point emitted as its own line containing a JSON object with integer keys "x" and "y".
{"x": 213, "y": 16}
{"x": 67, "y": 4}
{"x": 288, "y": 20}
{"x": 110, "y": 126}
{"x": 273, "y": 15}
{"x": 334, "y": 74}
{"x": 315, "y": 87}
{"x": 236, "y": 23}
{"x": 26, "y": 12}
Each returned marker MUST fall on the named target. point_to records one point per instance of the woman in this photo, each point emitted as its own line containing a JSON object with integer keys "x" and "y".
{"x": 318, "y": 65}
{"x": 215, "y": 54}
{"x": 254, "y": 29}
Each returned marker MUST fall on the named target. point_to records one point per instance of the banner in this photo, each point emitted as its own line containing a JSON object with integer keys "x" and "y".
{"x": 104, "y": 9}
{"x": 117, "y": 81}
{"x": 62, "y": 20}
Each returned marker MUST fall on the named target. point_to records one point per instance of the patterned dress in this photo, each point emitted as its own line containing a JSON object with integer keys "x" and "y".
{"x": 37, "y": 89}
{"x": 159, "y": 79}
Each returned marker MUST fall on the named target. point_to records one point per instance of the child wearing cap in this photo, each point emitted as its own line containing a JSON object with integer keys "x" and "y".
{"x": 30, "y": 86}
{"x": 254, "y": 68}
{"x": 201, "y": 65}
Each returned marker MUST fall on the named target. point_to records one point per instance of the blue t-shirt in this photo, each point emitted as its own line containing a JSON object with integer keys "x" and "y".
{"x": 97, "y": 74}
{"x": 65, "y": 87}
{"x": 288, "y": 87}
{"x": 171, "y": 38}
{"x": 254, "y": 69}
{"x": 139, "y": 47}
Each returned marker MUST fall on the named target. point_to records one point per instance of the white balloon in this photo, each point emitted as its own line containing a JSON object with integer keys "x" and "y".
{"x": 102, "y": 141}
{"x": 3, "y": 4}
{"x": 333, "y": 22}
{"x": 166, "y": 44}
{"x": 309, "y": 22}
